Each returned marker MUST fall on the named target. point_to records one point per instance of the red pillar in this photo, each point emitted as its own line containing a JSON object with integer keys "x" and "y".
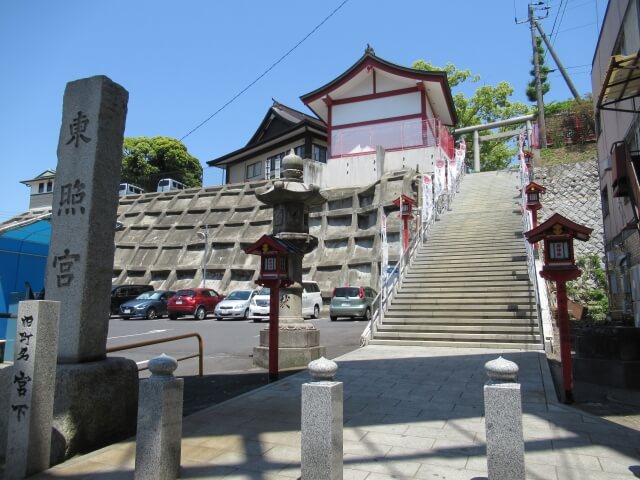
{"x": 565, "y": 341}
{"x": 274, "y": 328}
{"x": 406, "y": 234}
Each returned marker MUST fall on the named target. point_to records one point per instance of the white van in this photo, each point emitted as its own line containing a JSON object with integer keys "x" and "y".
{"x": 311, "y": 302}
{"x": 129, "y": 189}
{"x": 167, "y": 184}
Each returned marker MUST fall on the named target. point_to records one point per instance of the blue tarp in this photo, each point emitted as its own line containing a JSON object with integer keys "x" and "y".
{"x": 23, "y": 258}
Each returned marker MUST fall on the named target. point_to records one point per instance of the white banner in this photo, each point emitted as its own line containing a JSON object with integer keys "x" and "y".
{"x": 439, "y": 178}
{"x": 427, "y": 198}
{"x": 385, "y": 244}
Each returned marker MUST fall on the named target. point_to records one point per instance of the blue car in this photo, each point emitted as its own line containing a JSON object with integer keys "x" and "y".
{"x": 149, "y": 305}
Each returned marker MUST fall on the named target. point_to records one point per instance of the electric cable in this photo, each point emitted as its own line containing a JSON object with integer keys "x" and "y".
{"x": 266, "y": 71}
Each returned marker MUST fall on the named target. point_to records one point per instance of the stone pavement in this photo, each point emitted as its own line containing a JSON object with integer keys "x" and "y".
{"x": 409, "y": 412}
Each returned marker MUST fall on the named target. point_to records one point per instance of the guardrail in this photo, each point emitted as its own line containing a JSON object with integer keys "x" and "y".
{"x": 131, "y": 346}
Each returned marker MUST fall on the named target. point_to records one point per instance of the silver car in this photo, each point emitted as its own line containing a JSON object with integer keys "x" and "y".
{"x": 234, "y": 305}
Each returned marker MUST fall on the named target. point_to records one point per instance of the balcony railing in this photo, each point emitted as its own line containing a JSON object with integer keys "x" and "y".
{"x": 398, "y": 135}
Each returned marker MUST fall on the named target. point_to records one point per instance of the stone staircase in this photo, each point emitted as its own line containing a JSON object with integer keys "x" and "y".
{"x": 469, "y": 285}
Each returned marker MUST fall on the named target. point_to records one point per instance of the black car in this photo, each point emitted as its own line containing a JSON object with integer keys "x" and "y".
{"x": 149, "y": 305}
{"x": 123, "y": 293}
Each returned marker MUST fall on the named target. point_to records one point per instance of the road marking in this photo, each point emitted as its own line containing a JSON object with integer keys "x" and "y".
{"x": 137, "y": 334}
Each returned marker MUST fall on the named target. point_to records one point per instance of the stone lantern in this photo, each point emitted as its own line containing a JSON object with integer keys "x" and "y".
{"x": 290, "y": 198}
{"x": 532, "y": 192}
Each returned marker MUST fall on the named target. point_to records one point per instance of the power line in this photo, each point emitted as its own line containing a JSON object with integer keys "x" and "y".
{"x": 266, "y": 71}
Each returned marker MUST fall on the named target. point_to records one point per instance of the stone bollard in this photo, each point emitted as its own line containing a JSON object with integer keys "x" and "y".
{"x": 503, "y": 418}
{"x": 322, "y": 423}
{"x": 159, "y": 435}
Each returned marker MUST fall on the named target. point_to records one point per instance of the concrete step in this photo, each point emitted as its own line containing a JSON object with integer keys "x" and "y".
{"x": 463, "y": 279}
{"x": 471, "y": 288}
{"x": 448, "y": 336}
{"x": 478, "y": 297}
{"x": 453, "y": 313}
{"x": 523, "y": 329}
{"x": 459, "y": 344}
{"x": 437, "y": 322}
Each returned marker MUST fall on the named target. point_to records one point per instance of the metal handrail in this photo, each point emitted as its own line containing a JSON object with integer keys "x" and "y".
{"x": 164, "y": 340}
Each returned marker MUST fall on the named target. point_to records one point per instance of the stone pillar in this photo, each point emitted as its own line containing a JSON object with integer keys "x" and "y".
{"x": 96, "y": 398}
{"x": 476, "y": 151}
{"x": 32, "y": 386}
{"x": 322, "y": 423}
{"x": 84, "y": 212}
{"x": 159, "y": 435}
{"x": 503, "y": 418}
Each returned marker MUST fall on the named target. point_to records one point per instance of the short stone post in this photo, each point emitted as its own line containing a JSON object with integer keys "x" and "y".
{"x": 322, "y": 423}
{"x": 503, "y": 418}
{"x": 33, "y": 382}
{"x": 159, "y": 435}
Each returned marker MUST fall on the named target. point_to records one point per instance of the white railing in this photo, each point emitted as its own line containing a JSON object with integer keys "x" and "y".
{"x": 539, "y": 285}
{"x": 393, "y": 279}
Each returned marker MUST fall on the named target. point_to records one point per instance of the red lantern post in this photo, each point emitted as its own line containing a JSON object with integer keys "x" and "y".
{"x": 405, "y": 204}
{"x": 274, "y": 273}
{"x": 557, "y": 234}
{"x": 532, "y": 192}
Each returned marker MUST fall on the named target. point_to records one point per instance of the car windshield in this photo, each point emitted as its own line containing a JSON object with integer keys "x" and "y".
{"x": 185, "y": 293}
{"x": 239, "y": 295}
{"x": 149, "y": 296}
{"x": 263, "y": 292}
{"x": 346, "y": 292}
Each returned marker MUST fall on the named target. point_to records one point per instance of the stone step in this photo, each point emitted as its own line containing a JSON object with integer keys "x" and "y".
{"x": 473, "y": 263}
{"x": 435, "y": 304}
{"x": 462, "y": 257}
{"x": 458, "y": 344}
{"x": 470, "y": 271}
{"x": 464, "y": 279}
{"x": 471, "y": 289}
{"x": 462, "y": 296}
{"x": 437, "y": 322}
{"x": 448, "y": 336}
{"x": 454, "y": 314}
{"x": 485, "y": 329}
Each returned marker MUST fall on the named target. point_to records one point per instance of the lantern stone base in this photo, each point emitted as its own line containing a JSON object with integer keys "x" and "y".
{"x": 296, "y": 348}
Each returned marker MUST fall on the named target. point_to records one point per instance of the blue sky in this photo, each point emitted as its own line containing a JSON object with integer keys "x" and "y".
{"x": 182, "y": 60}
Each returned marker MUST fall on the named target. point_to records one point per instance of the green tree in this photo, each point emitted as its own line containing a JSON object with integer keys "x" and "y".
{"x": 544, "y": 74}
{"x": 148, "y": 159}
{"x": 488, "y": 104}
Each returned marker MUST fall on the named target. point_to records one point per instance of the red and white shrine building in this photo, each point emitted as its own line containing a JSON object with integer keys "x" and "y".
{"x": 379, "y": 118}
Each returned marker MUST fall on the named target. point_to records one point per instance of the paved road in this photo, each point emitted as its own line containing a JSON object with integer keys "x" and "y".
{"x": 228, "y": 345}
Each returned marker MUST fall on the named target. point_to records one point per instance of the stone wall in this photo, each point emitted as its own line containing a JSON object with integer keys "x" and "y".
{"x": 573, "y": 191}
{"x": 159, "y": 242}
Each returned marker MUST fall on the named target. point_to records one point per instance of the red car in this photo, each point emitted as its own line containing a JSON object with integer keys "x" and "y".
{"x": 193, "y": 301}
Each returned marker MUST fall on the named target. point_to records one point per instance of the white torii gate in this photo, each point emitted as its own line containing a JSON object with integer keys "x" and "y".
{"x": 526, "y": 119}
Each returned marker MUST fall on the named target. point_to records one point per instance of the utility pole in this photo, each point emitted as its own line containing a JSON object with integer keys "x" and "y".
{"x": 564, "y": 73}
{"x": 542, "y": 127}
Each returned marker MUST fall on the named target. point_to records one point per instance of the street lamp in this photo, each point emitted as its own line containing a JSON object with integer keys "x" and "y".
{"x": 205, "y": 236}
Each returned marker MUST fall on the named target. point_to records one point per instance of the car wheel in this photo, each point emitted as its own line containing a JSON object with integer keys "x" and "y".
{"x": 367, "y": 315}
{"x": 173, "y": 316}
{"x": 152, "y": 314}
{"x": 316, "y": 312}
{"x": 201, "y": 313}
{"x": 333, "y": 319}
{"x": 219, "y": 319}
{"x": 256, "y": 320}
{"x": 245, "y": 315}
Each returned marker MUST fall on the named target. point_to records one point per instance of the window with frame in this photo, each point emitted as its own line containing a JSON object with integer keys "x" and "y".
{"x": 628, "y": 41}
{"x": 319, "y": 153}
{"x": 254, "y": 170}
{"x": 272, "y": 166}
{"x": 41, "y": 188}
{"x": 299, "y": 150}
{"x": 605, "y": 202}
{"x": 49, "y": 186}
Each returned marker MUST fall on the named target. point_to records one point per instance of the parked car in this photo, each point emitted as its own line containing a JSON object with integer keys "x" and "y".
{"x": 193, "y": 301}
{"x": 123, "y": 293}
{"x": 311, "y": 302}
{"x": 149, "y": 305}
{"x": 352, "y": 302}
{"x": 391, "y": 275}
{"x": 235, "y": 305}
